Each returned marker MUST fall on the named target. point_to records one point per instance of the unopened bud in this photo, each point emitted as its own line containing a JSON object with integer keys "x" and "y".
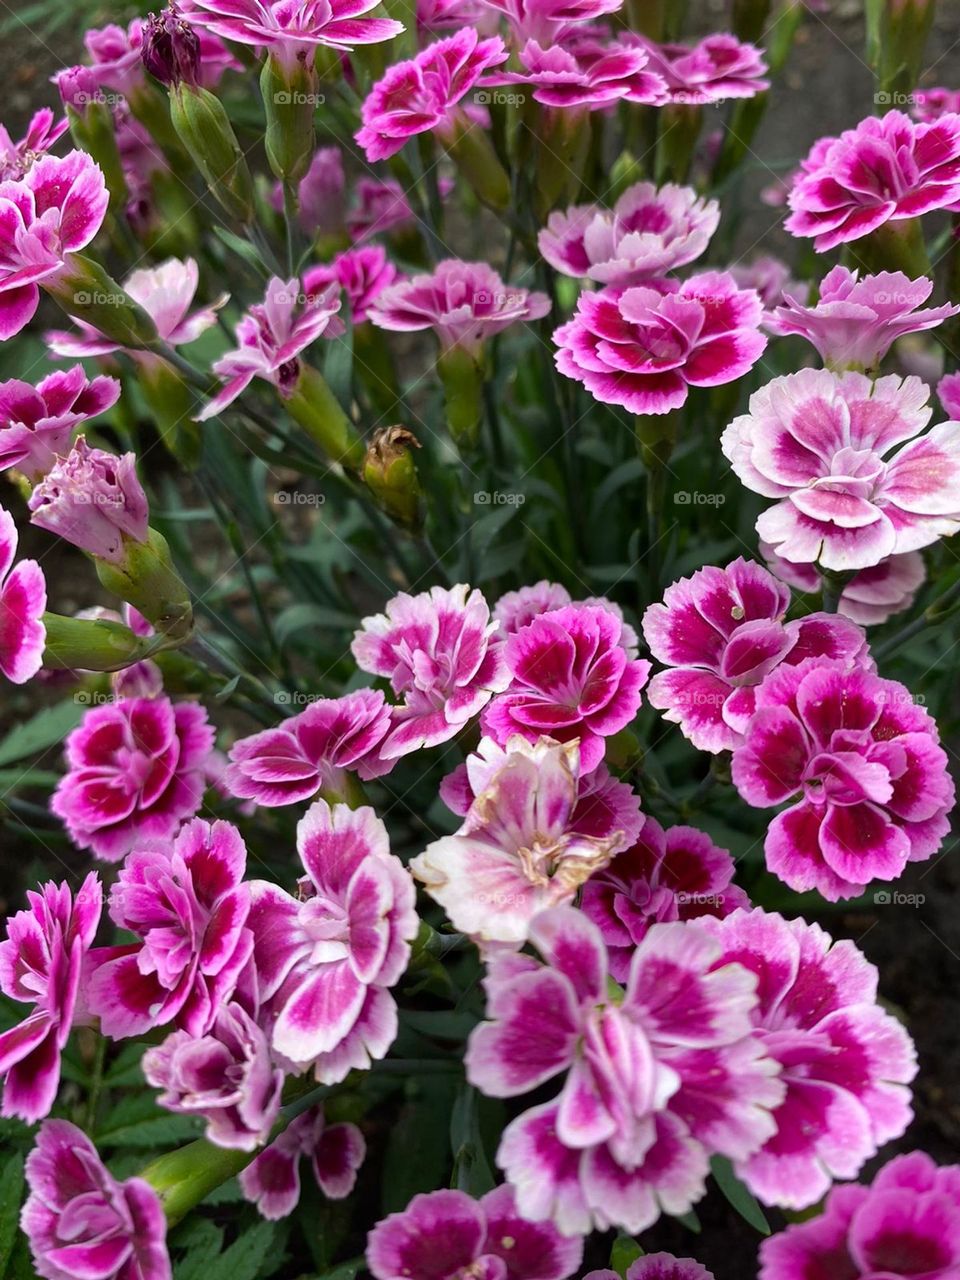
{"x": 171, "y": 49}
{"x": 290, "y": 104}
{"x": 204, "y": 128}
{"x": 315, "y": 408}
{"x": 462, "y": 375}
{"x": 391, "y": 475}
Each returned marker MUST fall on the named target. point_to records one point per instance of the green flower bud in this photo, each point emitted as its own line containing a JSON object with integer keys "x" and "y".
{"x": 204, "y": 128}
{"x": 147, "y": 579}
{"x": 85, "y": 291}
{"x": 313, "y": 406}
{"x": 391, "y": 475}
{"x": 290, "y": 100}
{"x": 79, "y": 644}
{"x": 462, "y": 375}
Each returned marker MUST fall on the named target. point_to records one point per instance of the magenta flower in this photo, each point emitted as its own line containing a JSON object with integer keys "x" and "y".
{"x": 319, "y": 194}
{"x": 37, "y": 423}
{"x": 677, "y": 874}
{"x": 464, "y": 302}
{"x": 871, "y": 596}
{"x": 81, "y": 1223}
{"x": 41, "y": 961}
{"x": 515, "y": 609}
{"x": 362, "y": 273}
{"x": 589, "y": 74}
{"x": 652, "y": 1084}
{"x": 53, "y": 211}
{"x": 644, "y": 347}
{"x": 311, "y": 750}
{"x": 721, "y": 632}
{"x": 716, "y": 68}
{"x": 437, "y": 651}
{"x": 94, "y": 500}
{"x": 846, "y": 1063}
{"x": 293, "y": 32}
{"x": 520, "y": 849}
{"x": 886, "y": 169}
{"x": 903, "y": 1227}
{"x": 822, "y": 444}
{"x": 771, "y": 278}
{"x": 948, "y": 393}
{"x": 136, "y": 770}
{"x": 326, "y": 958}
{"x": 421, "y": 95}
{"x": 188, "y": 904}
{"x": 658, "y": 1266}
{"x": 445, "y": 1235}
{"x": 569, "y": 677}
{"x": 43, "y": 132}
{"x": 23, "y": 599}
{"x": 551, "y": 21}
{"x": 648, "y": 232}
{"x": 864, "y": 766}
{"x": 379, "y": 206}
{"x": 224, "y": 1076}
{"x": 165, "y": 293}
{"x": 855, "y": 322}
{"x": 335, "y": 1152}
{"x": 270, "y": 338}
{"x": 114, "y": 54}
{"x": 930, "y": 104}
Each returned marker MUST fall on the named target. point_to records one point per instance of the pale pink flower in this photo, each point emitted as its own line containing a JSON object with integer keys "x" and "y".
{"x": 652, "y": 1084}
{"x": 590, "y": 74}
{"x": 855, "y": 321}
{"x": 325, "y": 960}
{"x": 421, "y": 95}
{"x": 445, "y": 1235}
{"x": 648, "y": 232}
{"x": 437, "y": 650}
{"x": 114, "y": 54}
{"x": 271, "y": 336}
{"x": 644, "y": 347}
{"x": 948, "y": 393}
{"x": 906, "y": 1226}
{"x": 440, "y": 16}
{"x": 379, "y": 206}
{"x": 55, "y": 210}
{"x": 135, "y": 771}
{"x": 362, "y": 273}
{"x": 515, "y": 609}
{"x": 37, "y": 423}
{"x": 520, "y": 849}
{"x": 871, "y": 596}
{"x": 677, "y": 874}
{"x": 886, "y": 169}
{"x": 225, "y": 1076}
{"x": 551, "y": 21}
{"x": 23, "y": 599}
{"x": 81, "y": 1223}
{"x": 864, "y": 769}
{"x": 826, "y": 446}
{"x": 335, "y": 1152}
{"x": 319, "y": 194}
{"x": 721, "y": 632}
{"x": 43, "y": 132}
{"x": 716, "y": 68}
{"x": 41, "y": 964}
{"x": 772, "y": 279}
{"x": 311, "y": 750}
{"x": 188, "y": 905}
{"x": 570, "y": 677}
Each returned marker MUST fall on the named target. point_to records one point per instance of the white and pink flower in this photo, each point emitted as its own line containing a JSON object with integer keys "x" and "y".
{"x": 335, "y": 1152}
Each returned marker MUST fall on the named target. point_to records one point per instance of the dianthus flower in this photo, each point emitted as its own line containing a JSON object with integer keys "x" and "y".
{"x": 37, "y": 422}
{"x": 716, "y": 68}
{"x": 871, "y": 596}
{"x": 362, "y": 273}
{"x": 335, "y": 1152}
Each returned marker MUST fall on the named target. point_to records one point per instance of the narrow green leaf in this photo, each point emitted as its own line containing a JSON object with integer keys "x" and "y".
{"x": 11, "y": 1193}
{"x": 738, "y": 1195}
{"x": 46, "y": 729}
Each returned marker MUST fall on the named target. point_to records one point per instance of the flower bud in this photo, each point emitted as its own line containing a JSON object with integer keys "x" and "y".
{"x": 184, "y": 1177}
{"x": 171, "y": 49}
{"x": 290, "y": 104}
{"x": 561, "y": 157}
{"x": 172, "y": 402}
{"x": 147, "y": 579}
{"x": 897, "y": 33}
{"x": 83, "y": 644}
{"x": 391, "y": 475}
{"x": 473, "y": 154}
{"x": 314, "y": 407}
{"x": 84, "y": 290}
{"x": 462, "y": 375}
{"x": 204, "y": 128}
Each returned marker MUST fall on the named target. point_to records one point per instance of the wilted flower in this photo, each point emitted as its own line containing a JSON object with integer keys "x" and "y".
{"x": 37, "y": 423}
{"x": 362, "y": 273}
{"x": 41, "y": 963}
{"x": 43, "y": 132}
{"x": 871, "y": 596}
{"x": 335, "y": 1152}
{"x": 23, "y": 599}
{"x": 862, "y": 763}
{"x": 171, "y": 49}
{"x": 716, "y": 68}
{"x": 821, "y": 443}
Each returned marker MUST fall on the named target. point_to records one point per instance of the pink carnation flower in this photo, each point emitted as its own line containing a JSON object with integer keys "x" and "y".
{"x": 721, "y": 632}
{"x": 931, "y": 104}
{"x": 225, "y": 1076}
{"x": 135, "y": 771}
{"x": 380, "y": 205}
{"x": 43, "y": 131}
{"x": 590, "y": 74}
{"x": 677, "y": 874}
{"x": 293, "y": 32}
{"x": 335, "y": 1152}
{"x": 823, "y": 445}
{"x": 446, "y": 1235}
{"x": 521, "y": 848}
{"x": 55, "y": 210}
{"x": 864, "y": 766}
{"x": 41, "y": 962}
{"x": 165, "y": 292}
{"x": 653, "y": 1084}
{"x": 464, "y": 302}
{"x": 648, "y": 232}
{"x": 871, "y": 596}
{"x": 771, "y": 278}
{"x": 658, "y": 1266}
{"x": 855, "y": 322}
{"x": 436, "y": 650}
{"x": 188, "y": 904}
{"x": 319, "y": 194}
{"x": 845, "y": 1061}
{"x": 81, "y": 1223}
{"x": 716, "y": 68}
{"x": 94, "y": 500}
{"x": 362, "y": 273}
{"x": 887, "y": 168}
{"x": 906, "y": 1226}
{"x": 270, "y": 338}
{"x": 551, "y": 21}
{"x": 515, "y": 609}
{"x": 644, "y": 347}
{"x": 23, "y": 599}
{"x": 948, "y": 393}
{"x": 326, "y": 958}
{"x": 570, "y": 678}
{"x": 311, "y": 750}
{"x": 37, "y": 423}
{"x": 421, "y": 95}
